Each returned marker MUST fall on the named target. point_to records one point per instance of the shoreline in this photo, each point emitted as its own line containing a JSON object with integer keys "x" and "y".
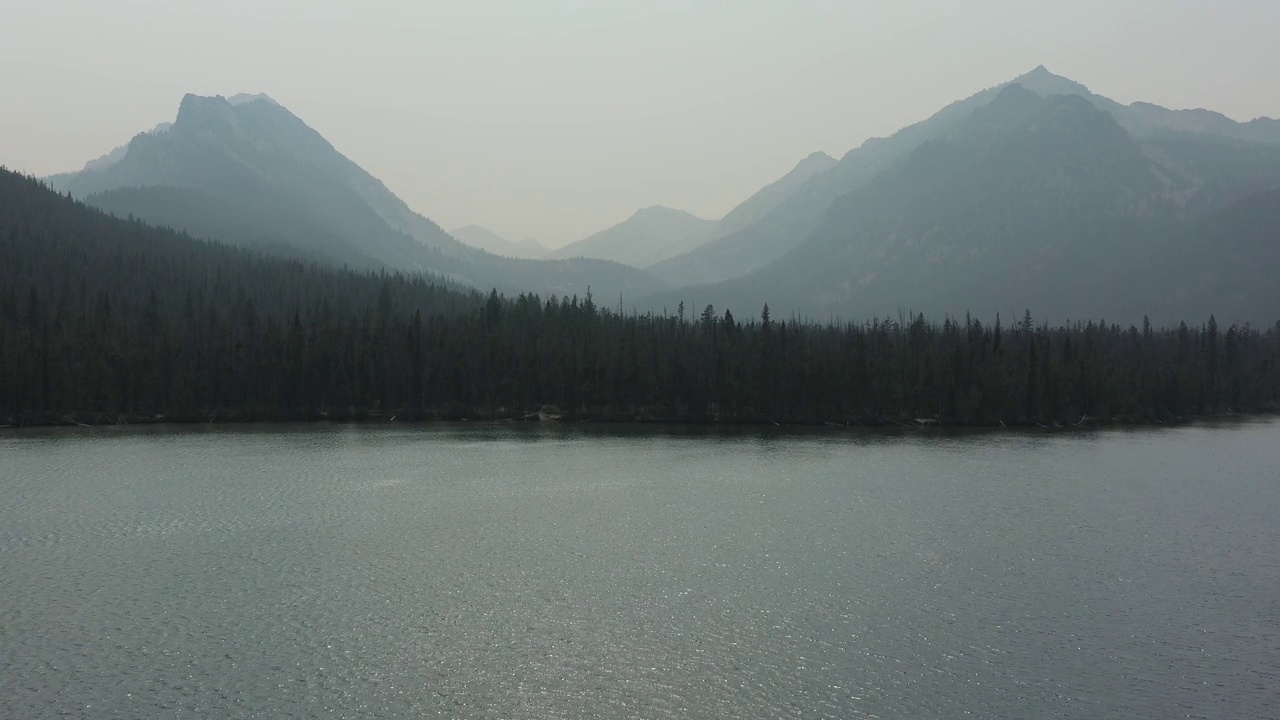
{"x": 103, "y": 420}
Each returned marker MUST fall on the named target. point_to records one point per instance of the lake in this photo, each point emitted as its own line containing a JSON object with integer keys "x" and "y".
{"x": 554, "y": 571}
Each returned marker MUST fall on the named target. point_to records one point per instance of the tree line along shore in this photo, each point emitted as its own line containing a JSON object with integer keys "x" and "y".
{"x": 104, "y": 320}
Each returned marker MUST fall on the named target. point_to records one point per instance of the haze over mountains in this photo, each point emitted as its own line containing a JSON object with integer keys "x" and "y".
{"x": 1032, "y": 194}
{"x": 651, "y": 234}
{"x": 247, "y": 171}
{"x": 493, "y": 243}
{"x": 1031, "y": 202}
{"x": 1035, "y": 193}
{"x": 656, "y": 234}
{"x": 803, "y": 212}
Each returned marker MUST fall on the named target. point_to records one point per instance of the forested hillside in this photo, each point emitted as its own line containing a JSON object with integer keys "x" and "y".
{"x": 103, "y": 320}
{"x": 105, "y": 317}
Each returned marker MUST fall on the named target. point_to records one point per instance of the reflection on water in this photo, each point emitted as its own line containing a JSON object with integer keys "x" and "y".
{"x": 566, "y": 571}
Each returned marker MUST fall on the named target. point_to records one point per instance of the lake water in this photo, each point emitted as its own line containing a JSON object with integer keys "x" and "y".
{"x": 548, "y": 571}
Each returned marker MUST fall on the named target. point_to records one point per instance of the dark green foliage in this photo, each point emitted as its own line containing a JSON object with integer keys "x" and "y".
{"x": 107, "y": 316}
{"x": 102, "y": 318}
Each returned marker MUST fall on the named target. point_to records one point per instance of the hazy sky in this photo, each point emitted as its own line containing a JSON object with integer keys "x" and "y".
{"x": 554, "y": 118}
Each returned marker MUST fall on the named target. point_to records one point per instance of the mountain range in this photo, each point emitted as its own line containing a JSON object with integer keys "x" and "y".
{"x": 803, "y": 212}
{"x": 246, "y": 171}
{"x": 493, "y": 243}
{"x": 658, "y": 234}
{"x": 650, "y": 235}
{"x": 1032, "y": 194}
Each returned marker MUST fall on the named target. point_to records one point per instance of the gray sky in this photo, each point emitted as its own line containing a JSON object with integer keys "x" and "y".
{"x": 555, "y": 118}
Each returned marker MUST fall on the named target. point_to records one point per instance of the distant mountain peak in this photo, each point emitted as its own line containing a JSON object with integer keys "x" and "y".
{"x": 1041, "y": 80}
{"x": 1016, "y": 108}
{"x": 207, "y": 106}
{"x": 195, "y": 108}
{"x": 661, "y": 211}
{"x": 246, "y": 170}
{"x": 813, "y": 162}
{"x": 650, "y": 235}
{"x": 237, "y": 99}
{"x": 245, "y": 98}
{"x": 493, "y": 243}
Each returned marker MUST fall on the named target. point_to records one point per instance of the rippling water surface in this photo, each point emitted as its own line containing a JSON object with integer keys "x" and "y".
{"x": 543, "y": 572}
